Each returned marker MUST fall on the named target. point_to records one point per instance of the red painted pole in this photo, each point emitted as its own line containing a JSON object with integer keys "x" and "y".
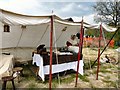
{"x": 98, "y": 66}
{"x": 80, "y": 51}
{"x": 51, "y": 40}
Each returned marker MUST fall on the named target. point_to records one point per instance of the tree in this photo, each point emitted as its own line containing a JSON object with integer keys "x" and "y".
{"x": 108, "y": 12}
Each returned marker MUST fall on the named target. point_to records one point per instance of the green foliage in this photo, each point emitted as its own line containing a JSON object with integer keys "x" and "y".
{"x": 83, "y": 78}
{"x": 92, "y": 32}
{"x": 108, "y": 35}
{"x": 117, "y": 36}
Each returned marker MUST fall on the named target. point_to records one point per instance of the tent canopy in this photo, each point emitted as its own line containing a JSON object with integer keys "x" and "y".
{"x": 36, "y": 30}
{"x": 104, "y": 26}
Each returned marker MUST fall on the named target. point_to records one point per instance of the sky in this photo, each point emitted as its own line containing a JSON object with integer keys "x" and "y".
{"x": 62, "y": 8}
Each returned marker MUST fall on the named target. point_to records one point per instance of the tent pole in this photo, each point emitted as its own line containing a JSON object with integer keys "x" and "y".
{"x": 106, "y": 46}
{"x": 99, "y": 52}
{"x": 103, "y": 35}
{"x": 80, "y": 51}
{"x": 51, "y": 40}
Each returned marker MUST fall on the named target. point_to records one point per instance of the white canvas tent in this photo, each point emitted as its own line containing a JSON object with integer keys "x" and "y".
{"x": 104, "y": 26}
{"x": 21, "y": 41}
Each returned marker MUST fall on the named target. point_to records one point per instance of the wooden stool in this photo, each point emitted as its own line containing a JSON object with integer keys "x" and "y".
{"x": 5, "y": 79}
{"x": 19, "y": 70}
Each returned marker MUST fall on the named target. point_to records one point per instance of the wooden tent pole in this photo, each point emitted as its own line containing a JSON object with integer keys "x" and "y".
{"x": 98, "y": 66}
{"x": 80, "y": 51}
{"x": 51, "y": 40}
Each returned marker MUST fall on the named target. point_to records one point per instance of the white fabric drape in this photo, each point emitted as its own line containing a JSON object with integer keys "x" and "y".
{"x": 39, "y": 62}
{"x": 44, "y": 70}
{"x": 6, "y": 64}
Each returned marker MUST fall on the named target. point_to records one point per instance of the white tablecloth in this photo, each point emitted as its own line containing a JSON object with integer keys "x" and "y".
{"x": 6, "y": 64}
{"x": 44, "y": 70}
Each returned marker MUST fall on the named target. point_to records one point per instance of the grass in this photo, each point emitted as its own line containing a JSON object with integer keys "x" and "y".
{"x": 86, "y": 74}
{"x": 94, "y": 71}
{"x": 32, "y": 85}
{"x": 69, "y": 79}
{"x": 87, "y": 65}
{"x": 55, "y": 83}
{"x": 83, "y": 78}
{"x": 110, "y": 83}
{"x": 103, "y": 70}
{"x": 114, "y": 84}
{"x": 118, "y": 68}
{"x": 93, "y": 87}
{"x": 106, "y": 81}
{"x": 9, "y": 85}
{"x": 29, "y": 80}
{"x": 107, "y": 77}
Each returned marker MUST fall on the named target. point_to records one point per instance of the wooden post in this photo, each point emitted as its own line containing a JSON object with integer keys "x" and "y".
{"x": 80, "y": 51}
{"x": 98, "y": 66}
{"x": 51, "y": 41}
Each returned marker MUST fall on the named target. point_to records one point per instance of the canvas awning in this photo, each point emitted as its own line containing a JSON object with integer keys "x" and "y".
{"x": 104, "y": 26}
{"x": 37, "y": 30}
{"x": 12, "y": 18}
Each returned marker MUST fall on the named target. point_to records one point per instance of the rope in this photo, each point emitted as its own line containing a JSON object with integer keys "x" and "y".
{"x": 18, "y": 41}
{"x": 64, "y": 29}
{"x": 43, "y": 35}
{"x": 57, "y": 38}
{"x": 20, "y": 38}
{"x": 56, "y": 51}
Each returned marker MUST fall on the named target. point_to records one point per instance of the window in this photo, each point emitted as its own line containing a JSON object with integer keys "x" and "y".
{"x": 6, "y": 28}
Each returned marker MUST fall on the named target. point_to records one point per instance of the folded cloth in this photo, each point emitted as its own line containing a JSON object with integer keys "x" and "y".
{"x": 39, "y": 62}
{"x": 73, "y": 49}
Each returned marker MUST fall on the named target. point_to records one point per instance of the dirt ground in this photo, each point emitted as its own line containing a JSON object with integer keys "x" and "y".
{"x": 108, "y": 76}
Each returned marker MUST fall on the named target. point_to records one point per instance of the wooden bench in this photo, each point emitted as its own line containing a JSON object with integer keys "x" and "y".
{"x": 5, "y": 79}
{"x": 19, "y": 70}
